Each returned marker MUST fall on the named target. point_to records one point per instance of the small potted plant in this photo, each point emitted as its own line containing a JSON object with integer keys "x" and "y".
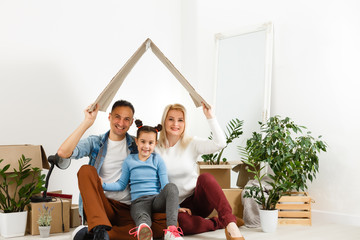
{"x": 290, "y": 155}
{"x": 44, "y": 221}
{"x": 28, "y": 181}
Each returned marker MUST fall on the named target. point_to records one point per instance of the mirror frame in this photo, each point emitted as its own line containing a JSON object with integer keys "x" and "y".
{"x": 268, "y": 27}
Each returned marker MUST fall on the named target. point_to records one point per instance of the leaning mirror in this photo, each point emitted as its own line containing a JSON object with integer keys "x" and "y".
{"x": 243, "y": 72}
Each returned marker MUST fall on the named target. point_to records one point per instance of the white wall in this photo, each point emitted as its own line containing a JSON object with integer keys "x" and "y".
{"x": 315, "y": 80}
{"x": 56, "y": 57}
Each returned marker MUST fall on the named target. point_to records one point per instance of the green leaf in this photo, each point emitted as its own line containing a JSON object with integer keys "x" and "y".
{"x": 23, "y": 192}
{"x": 291, "y": 155}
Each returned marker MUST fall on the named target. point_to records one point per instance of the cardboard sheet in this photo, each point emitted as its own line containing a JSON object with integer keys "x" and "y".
{"x": 107, "y": 95}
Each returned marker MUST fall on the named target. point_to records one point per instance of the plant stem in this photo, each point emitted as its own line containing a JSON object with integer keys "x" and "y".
{"x": 220, "y": 154}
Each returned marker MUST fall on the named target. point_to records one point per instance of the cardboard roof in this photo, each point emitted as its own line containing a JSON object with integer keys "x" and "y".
{"x": 107, "y": 95}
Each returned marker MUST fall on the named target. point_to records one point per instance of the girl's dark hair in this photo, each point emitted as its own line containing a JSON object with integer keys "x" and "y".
{"x": 142, "y": 128}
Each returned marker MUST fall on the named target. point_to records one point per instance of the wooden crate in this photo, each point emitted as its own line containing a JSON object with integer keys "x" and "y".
{"x": 295, "y": 209}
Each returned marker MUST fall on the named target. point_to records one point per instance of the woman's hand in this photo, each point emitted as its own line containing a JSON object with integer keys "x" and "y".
{"x": 185, "y": 210}
{"x": 207, "y": 111}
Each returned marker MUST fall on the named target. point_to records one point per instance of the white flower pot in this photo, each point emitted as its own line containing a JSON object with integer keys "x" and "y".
{"x": 13, "y": 224}
{"x": 44, "y": 231}
{"x": 269, "y": 220}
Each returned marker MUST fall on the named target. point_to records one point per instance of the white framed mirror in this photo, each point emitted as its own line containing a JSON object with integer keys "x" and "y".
{"x": 243, "y": 70}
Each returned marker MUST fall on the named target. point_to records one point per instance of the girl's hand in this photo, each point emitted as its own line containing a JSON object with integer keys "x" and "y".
{"x": 185, "y": 210}
{"x": 207, "y": 111}
{"x": 101, "y": 180}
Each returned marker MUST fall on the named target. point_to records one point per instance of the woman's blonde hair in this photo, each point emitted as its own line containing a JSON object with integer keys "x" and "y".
{"x": 163, "y": 141}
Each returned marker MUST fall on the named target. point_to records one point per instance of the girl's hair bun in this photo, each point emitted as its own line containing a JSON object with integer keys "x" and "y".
{"x": 138, "y": 123}
{"x": 158, "y": 128}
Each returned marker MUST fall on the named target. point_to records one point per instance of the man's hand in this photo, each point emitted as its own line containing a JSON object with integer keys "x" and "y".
{"x": 91, "y": 116}
{"x": 68, "y": 146}
{"x": 185, "y": 210}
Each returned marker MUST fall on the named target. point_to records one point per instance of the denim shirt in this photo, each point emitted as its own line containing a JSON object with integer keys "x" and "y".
{"x": 95, "y": 148}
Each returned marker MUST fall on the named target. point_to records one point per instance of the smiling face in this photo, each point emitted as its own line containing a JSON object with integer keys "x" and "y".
{"x": 174, "y": 123}
{"x": 146, "y": 143}
{"x": 120, "y": 119}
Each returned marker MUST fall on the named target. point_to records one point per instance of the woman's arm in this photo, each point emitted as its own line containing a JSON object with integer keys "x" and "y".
{"x": 206, "y": 146}
{"x": 162, "y": 172}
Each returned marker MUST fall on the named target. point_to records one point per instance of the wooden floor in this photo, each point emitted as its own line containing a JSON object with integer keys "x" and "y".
{"x": 318, "y": 231}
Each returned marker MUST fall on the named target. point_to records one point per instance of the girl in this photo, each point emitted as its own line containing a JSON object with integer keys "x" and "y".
{"x": 149, "y": 186}
{"x": 199, "y": 195}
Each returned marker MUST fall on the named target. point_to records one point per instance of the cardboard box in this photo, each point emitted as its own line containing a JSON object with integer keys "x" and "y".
{"x": 233, "y": 195}
{"x": 221, "y": 172}
{"x": 244, "y": 176}
{"x": 60, "y": 216}
{"x": 12, "y": 153}
{"x": 75, "y": 218}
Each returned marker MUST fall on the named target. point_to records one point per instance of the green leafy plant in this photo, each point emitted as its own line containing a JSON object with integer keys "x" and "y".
{"x": 266, "y": 197}
{"x": 290, "y": 154}
{"x": 21, "y": 197}
{"x": 45, "y": 216}
{"x": 234, "y": 130}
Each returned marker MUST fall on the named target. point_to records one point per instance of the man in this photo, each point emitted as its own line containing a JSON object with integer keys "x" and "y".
{"x": 107, "y": 213}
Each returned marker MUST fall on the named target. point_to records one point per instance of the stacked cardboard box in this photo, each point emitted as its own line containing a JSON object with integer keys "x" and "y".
{"x": 222, "y": 174}
{"x": 61, "y": 207}
{"x": 60, "y": 214}
{"x": 75, "y": 218}
{"x": 12, "y": 153}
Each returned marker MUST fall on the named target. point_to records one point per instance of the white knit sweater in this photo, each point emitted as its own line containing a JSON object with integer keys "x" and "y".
{"x": 181, "y": 162}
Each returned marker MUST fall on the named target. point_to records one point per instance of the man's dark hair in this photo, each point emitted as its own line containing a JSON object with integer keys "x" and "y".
{"x": 123, "y": 103}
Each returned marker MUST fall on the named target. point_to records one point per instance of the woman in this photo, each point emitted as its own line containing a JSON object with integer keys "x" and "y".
{"x": 198, "y": 195}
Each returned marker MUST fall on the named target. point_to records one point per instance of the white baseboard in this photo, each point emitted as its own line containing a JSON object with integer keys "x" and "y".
{"x": 340, "y": 218}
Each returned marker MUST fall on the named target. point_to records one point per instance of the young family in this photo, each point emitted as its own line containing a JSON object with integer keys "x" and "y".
{"x": 145, "y": 188}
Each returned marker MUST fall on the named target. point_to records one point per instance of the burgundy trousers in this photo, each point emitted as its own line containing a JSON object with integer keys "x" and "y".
{"x": 208, "y": 196}
{"x": 100, "y": 210}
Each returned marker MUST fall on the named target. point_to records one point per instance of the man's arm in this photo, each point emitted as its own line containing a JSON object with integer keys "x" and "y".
{"x": 66, "y": 149}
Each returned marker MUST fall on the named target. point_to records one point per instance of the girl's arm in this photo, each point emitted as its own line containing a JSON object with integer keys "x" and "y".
{"x": 120, "y": 184}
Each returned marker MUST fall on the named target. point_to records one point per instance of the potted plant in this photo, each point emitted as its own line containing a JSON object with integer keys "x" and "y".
{"x": 28, "y": 181}
{"x": 290, "y": 154}
{"x": 234, "y": 130}
{"x": 215, "y": 163}
{"x": 44, "y": 220}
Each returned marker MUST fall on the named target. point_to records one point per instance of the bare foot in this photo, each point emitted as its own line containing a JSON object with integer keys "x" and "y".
{"x": 233, "y": 229}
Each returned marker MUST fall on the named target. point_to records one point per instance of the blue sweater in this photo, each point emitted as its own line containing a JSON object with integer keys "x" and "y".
{"x": 145, "y": 178}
